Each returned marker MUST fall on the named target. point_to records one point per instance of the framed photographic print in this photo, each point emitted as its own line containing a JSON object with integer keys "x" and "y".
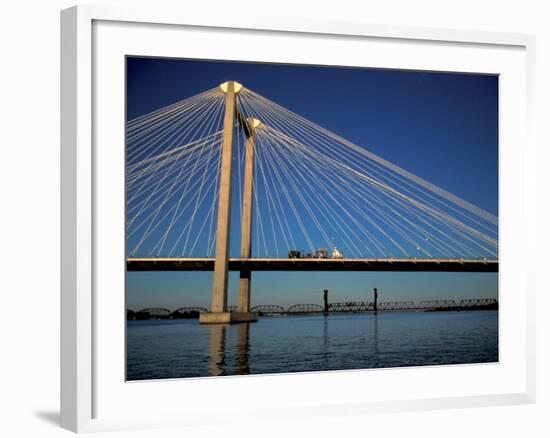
{"x": 256, "y": 209}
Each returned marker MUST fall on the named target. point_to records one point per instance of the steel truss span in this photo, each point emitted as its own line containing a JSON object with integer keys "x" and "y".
{"x": 339, "y": 307}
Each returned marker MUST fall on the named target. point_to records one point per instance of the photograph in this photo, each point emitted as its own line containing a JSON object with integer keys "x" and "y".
{"x": 286, "y": 218}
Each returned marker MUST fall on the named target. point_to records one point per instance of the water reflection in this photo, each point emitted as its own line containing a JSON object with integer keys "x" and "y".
{"x": 241, "y": 353}
{"x": 375, "y": 332}
{"x": 229, "y": 346}
{"x": 326, "y": 351}
{"x": 218, "y": 347}
{"x": 216, "y": 359}
{"x": 183, "y": 348}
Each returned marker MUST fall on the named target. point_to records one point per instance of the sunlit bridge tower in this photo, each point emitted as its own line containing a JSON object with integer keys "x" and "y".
{"x": 219, "y": 313}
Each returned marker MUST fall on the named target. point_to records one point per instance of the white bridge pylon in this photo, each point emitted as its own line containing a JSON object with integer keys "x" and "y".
{"x": 307, "y": 188}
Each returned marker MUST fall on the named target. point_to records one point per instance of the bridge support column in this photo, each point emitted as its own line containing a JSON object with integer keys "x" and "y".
{"x": 218, "y": 313}
{"x": 246, "y": 226}
{"x": 221, "y": 263}
{"x": 244, "y": 291}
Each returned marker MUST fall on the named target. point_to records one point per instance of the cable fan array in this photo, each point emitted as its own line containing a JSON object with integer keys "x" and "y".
{"x": 173, "y": 160}
{"x": 312, "y": 189}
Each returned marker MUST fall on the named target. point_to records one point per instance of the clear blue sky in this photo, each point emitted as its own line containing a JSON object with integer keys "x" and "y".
{"x": 442, "y": 127}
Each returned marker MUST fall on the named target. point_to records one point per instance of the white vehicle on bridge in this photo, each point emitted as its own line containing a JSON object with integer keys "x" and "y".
{"x": 321, "y": 253}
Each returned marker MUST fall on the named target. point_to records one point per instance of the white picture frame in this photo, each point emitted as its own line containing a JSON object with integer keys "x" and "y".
{"x": 82, "y": 316}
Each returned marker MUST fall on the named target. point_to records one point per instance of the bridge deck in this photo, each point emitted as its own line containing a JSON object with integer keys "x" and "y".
{"x": 314, "y": 264}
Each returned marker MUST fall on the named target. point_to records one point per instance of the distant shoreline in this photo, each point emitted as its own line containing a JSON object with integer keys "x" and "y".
{"x": 195, "y": 314}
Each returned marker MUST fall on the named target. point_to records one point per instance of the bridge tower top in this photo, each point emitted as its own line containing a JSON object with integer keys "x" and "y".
{"x": 253, "y": 122}
{"x": 236, "y": 86}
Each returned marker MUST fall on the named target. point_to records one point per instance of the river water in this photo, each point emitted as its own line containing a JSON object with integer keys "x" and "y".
{"x": 183, "y": 348}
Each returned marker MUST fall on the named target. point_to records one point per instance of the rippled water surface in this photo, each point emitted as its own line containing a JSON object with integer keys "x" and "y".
{"x": 183, "y": 348}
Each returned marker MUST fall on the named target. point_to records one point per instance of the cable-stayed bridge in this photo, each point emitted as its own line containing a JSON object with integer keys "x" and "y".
{"x": 307, "y": 200}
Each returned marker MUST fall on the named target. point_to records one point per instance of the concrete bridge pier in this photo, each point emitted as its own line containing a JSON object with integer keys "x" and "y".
{"x": 218, "y": 313}
{"x": 250, "y": 126}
